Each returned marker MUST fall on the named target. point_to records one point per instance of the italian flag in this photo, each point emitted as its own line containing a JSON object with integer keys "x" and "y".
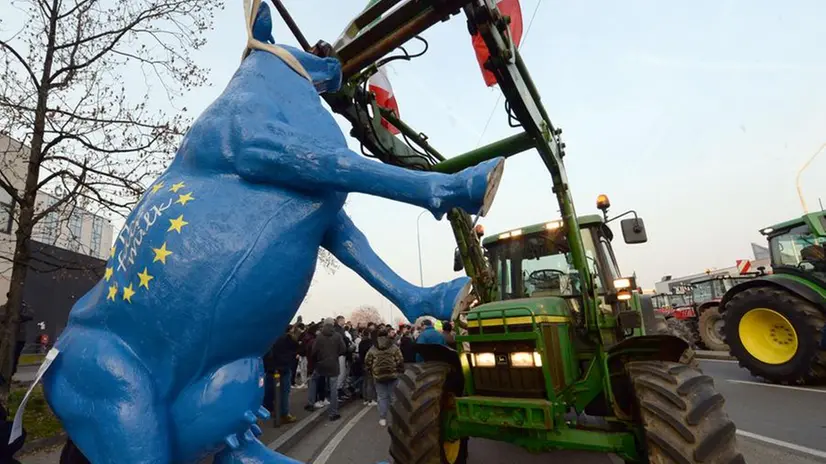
{"x": 507, "y": 8}
{"x": 379, "y": 84}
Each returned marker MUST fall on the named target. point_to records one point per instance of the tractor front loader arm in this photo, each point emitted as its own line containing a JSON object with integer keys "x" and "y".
{"x": 386, "y": 25}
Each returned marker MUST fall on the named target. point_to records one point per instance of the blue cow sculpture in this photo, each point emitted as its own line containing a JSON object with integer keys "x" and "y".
{"x": 160, "y": 361}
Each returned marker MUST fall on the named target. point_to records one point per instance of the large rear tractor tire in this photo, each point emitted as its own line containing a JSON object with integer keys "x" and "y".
{"x": 711, "y": 326}
{"x": 416, "y": 428}
{"x": 660, "y": 325}
{"x": 776, "y": 335}
{"x": 682, "y": 415}
{"x": 681, "y": 329}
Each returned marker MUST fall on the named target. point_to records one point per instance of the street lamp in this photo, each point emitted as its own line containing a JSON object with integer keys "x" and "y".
{"x": 419, "y": 243}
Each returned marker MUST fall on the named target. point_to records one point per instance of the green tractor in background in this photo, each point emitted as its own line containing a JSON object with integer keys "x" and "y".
{"x": 775, "y": 325}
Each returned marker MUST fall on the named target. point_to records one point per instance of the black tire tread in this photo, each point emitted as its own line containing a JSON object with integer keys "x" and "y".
{"x": 700, "y": 432}
{"x": 704, "y": 319}
{"x": 682, "y": 329}
{"x": 415, "y": 426}
{"x": 815, "y": 370}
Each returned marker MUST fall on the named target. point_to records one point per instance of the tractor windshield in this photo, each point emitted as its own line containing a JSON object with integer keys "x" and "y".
{"x": 801, "y": 249}
{"x": 708, "y": 290}
{"x": 676, "y": 300}
{"x": 540, "y": 264}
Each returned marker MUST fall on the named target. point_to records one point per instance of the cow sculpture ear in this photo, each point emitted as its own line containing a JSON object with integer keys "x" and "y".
{"x": 262, "y": 26}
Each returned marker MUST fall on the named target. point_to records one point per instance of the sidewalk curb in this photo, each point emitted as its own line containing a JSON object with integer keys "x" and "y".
{"x": 31, "y": 447}
{"x": 705, "y": 354}
{"x": 298, "y": 431}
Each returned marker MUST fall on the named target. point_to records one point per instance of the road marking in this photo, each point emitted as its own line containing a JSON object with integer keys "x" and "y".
{"x": 788, "y": 387}
{"x": 783, "y": 444}
{"x": 331, "y": 447}
{"x": 279, "y": 442}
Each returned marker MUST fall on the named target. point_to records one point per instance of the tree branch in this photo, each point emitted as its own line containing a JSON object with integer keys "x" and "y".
{"x": 118, "y": 35}
{"x": 8, "y": 47}
{"x": 78, "y": 183}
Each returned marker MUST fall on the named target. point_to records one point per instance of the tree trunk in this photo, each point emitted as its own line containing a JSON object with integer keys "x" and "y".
{"x": 22, "y": 250}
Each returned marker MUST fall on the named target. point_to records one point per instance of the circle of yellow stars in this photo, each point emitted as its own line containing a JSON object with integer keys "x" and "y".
{"x": 175, "y": 224}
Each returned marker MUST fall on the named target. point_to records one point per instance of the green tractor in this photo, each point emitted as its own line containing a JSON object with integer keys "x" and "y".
{"x": 553, "y": 353}
{"x": 561, "y": 362}
{"x": 775, "y": 325}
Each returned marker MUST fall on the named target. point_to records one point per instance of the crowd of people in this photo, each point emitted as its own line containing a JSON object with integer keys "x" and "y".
{"x": 337, "y": 361}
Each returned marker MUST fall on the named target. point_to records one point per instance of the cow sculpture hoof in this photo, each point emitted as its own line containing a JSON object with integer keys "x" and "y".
{"x": 444, "y": 301}
{"x": 251, "y": 451}
{"x": 473, "y": 189}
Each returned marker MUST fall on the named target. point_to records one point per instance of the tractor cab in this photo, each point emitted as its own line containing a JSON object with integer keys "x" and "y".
{"x": 524, "y": 343}
{"x": 535, "y": 261}
{"x": 799, "y": 246}
{"x": 712, "y": 289}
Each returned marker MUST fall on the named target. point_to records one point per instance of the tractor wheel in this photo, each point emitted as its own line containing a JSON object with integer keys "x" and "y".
{"x": 416, "y": 428}
{"x": 682, "y": 415}
{"x": 660, "y": 325}
{"x": 681, "y": 329}
{"x": 711, "y": 329}
{"x": 776, "y": 335}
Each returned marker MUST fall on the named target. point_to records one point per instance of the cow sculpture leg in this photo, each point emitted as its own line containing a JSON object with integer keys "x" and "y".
{"x": 272, "y": 159}
{"x": 350, "y": 246}
{"x": 128, "y": 413}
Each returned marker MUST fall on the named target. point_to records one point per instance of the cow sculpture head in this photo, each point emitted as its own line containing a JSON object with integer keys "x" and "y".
{"x": 325, "y": 72}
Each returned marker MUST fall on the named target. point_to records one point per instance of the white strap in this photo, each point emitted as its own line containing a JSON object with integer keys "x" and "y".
{"x": 250, "y": 10}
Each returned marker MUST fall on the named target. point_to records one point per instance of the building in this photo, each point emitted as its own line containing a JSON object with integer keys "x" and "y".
{"x": 69, "y": 235}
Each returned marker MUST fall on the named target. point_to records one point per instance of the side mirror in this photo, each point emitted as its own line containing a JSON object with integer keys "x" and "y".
{"x": 458, "y": 264}
{"x": 633, "y": 230}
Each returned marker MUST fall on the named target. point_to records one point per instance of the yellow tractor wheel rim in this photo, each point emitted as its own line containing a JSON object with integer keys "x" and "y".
{"x": 768, "y": 336}
{"x": 451, "y": 450}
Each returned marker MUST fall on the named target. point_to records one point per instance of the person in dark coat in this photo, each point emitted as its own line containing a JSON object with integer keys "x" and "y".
{"x": 327, "y": 349}
{"x": 408, "y": 345}
{"x": 280, "y": 360}
{"x": 368, "y": 387}
{"x": 450, "y": 336}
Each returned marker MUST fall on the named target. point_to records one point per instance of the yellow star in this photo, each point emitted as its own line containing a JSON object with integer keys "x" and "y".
{"x": 112, "y": 252}
{"x": 161, "y": 253}
{"x": 157, "y": 187}
{"x": 177, "y": 223}
{"x": 128, "y": 292}
{"x": 108, "y": 274}
{"x": 145, "y": 278}
{"x": 183, "y": 199}
{"x": 176, "y": 187}
{"x": 113, "y": 290}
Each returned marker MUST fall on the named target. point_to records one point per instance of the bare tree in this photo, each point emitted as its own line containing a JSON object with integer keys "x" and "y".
{"x": 78, "y": 83}
{"x": 366, "y": 313}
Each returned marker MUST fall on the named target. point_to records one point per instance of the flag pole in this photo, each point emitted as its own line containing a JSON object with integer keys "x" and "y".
{"x": 285, "y": 15}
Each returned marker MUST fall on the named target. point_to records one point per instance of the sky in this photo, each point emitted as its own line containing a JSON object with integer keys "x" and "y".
{"x": 696, "y": 115}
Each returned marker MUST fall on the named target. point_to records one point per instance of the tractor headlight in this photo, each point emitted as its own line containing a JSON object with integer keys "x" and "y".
{"x": 526, "y": 359}
{"x": 619, "y": 284}
{"x": 484, "y": 360}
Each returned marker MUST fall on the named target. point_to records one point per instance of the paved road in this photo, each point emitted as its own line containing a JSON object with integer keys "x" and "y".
{"x": 792, "y": 414}
{"x": 776, "y": 425}
{"x": 26, "y": 373}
